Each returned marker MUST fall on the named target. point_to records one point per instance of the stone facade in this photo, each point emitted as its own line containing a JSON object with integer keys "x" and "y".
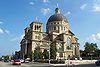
{"x": 57, "y": 29}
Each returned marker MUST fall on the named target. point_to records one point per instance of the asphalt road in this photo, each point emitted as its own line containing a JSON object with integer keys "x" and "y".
{"x": 8, "y": 64}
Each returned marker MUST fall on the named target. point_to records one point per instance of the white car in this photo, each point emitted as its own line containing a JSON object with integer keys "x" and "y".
{"x": 22, "y": 61}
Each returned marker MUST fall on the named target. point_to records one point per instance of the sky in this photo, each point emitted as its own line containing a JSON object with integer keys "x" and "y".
{"x": 15, "y": 15}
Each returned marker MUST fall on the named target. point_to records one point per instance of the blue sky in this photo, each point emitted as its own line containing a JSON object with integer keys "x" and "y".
{"x": 15, "y": 15}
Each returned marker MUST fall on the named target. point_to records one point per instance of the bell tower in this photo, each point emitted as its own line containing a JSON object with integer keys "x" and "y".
{"x": 36, "y": 26}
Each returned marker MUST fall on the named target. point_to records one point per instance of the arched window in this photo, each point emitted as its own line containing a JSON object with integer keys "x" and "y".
{"x": 35, "y": 27}
{"x": 69, "y": 43}
{"x": 54, "y": 27}
{"x": 57, "y": 27}
{"x": 64, "y": 28}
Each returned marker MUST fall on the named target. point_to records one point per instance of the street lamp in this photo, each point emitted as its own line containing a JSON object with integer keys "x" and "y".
{"x": 49, "y": 42}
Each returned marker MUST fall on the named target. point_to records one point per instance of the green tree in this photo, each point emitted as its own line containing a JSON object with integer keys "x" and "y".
{"x": 97, "y": 53}
{"x": 53, "y": 50}
{"x": 37, "y": 54}
{"x": 6, "y": 57}
{"x": 46, "y": 54}
{"x": 13, "y": 56}
{"x": 90, "y": 48}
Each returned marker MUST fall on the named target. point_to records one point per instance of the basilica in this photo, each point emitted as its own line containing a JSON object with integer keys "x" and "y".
{"x": 58, "y": 30}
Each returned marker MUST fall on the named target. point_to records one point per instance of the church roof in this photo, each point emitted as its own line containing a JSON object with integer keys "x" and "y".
{"x": 37, "y": 22}
{"x": 57, "y": 16}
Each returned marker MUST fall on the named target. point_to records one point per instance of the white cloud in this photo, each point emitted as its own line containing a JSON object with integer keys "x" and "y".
{"x": 68, "y": 13}
{"x": 83, "y": 6}
{"x": 93, "y": 6}
{"x": 31, "y": 3}
{"x": 94, "y": 38}
{"x": 1, "y": 22}
{"x": 45, "y": 1}
{"x": 96, "y": 8}
{"x": 6, "y": 31}
{"x": 17, "y": 38}
{"x": 21, "y": 37}
{"x": 14, "y": 39}
{"x": 1, "y": 31}
{"x": 45, "y": 11}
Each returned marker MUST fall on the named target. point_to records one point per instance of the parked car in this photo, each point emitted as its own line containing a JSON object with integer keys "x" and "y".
{"x": 16, "y": 62}
{"x": 79, "y": 58}
{"x": 97, "y": 62}
{"x": 6, "y": 60}
{"x": 22, "y": 61}
{"x": 76, "y": 58}
{"x": 27, "y": 60}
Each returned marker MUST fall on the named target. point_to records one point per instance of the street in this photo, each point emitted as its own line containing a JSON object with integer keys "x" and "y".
{"x": 9, "y": 64}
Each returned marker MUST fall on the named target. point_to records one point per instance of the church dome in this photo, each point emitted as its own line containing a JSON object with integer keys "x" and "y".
{"x": 57, "y": 23}
{"x": 57, "y": 16}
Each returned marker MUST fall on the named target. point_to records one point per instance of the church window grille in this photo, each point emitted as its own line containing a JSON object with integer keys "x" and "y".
{"x": 69, "y": 43}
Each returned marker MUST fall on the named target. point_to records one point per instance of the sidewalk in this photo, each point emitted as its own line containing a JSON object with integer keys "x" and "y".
{"x": 35, "y": 64}
{"x": 78, "y": 62}
{"x": 68, "y": 63}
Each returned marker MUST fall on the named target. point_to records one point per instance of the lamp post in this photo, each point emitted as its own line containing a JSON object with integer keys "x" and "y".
{"x": 49, "y": 42}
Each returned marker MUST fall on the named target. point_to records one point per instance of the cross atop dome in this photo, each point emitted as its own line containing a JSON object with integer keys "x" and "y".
{"x": 57, "y": 10}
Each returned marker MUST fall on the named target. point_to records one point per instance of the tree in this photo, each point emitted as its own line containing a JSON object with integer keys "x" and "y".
{"x": 97, "y": 53}
{"x": 53, "y": 50}
{"x": 13, "y": 56}
{"x": 45, "y": 54}
{"x": 90, "y": 48}
{"x": 7, "y": 57}
{"x": 37, "y": 54}
{"x": 31, "y": 56}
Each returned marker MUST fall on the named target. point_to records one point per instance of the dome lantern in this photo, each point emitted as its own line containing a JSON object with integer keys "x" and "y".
{"x": 57, "y": 16}
{"x": 57, "y": 11}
